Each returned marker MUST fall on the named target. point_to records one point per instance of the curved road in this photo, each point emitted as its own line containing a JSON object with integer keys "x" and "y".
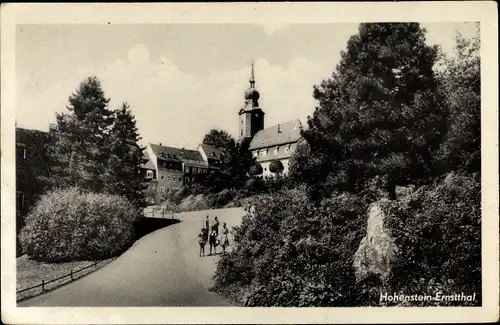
{"x": 160, "y": 269}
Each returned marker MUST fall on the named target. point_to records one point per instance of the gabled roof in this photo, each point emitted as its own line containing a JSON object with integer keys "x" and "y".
{"x": 289, "y": 132}
{"x": 176, "y": 153}
{"x": 149, "y": 163}
{"x": 212, "y": 152}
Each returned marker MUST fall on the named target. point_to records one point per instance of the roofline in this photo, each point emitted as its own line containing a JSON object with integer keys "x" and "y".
{"x": 274, "y": 145}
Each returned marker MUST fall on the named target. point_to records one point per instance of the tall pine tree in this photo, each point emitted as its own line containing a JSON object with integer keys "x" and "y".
{"x": 123, "y": 175}
{"x": 379, "y": 113}
{"x": 79, "y": 152}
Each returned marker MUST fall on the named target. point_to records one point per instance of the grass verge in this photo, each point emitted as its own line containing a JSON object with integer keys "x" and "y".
{"x": 31, "y": 273}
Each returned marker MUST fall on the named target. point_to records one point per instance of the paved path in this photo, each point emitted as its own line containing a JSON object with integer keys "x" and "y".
{"x": 160, "y": 269}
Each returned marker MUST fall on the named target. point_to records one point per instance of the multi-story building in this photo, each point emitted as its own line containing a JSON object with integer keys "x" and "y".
{"x": 212, "y": 155}
{"x": 277, "y": 142}
{"x": 170, "y": 168}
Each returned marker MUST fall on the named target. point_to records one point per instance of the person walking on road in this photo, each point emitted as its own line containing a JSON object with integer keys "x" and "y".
{"x": 216, "y": 226}
{"x": 225, "y": 239}
{"x": 207, "y": 223}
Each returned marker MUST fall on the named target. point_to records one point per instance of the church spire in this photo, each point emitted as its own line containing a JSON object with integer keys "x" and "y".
{"x": 252, "y": 78}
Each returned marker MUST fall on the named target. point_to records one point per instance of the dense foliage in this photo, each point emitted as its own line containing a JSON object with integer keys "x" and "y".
{"x": 276, "y": 166}
{"x": 388, "y": 116}
{"x": 219, "y": 139}
{"x": 292, "y": 252}
{"x": 438, "y": 231}
{"x": 379, "y": 113}
{"x": 96, "y": 148}
{"x": 70, "y": 224}
{"x": 125, "y": 158}
{"x": 461, "y": 85}
{"x": 80, "y": 149}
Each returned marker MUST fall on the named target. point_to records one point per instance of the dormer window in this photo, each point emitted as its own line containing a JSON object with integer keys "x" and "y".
{"x": 149, "y": 174}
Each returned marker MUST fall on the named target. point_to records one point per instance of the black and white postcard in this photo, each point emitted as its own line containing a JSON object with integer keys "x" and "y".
{"x": 249, "y": 163}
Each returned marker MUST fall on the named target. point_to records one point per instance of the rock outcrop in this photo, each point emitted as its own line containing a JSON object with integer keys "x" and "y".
{"x": 377, "y": 249}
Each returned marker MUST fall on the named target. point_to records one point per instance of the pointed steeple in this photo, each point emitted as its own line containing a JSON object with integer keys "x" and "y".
{"x": 252, "y": 78}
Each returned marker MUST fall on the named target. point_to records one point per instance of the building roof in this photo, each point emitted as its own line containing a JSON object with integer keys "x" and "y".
{"x": 275, "y": 135}
{"x": 188, "y": 156}
{"x": 149, "y": 163}
{"x": 212, "y": 152}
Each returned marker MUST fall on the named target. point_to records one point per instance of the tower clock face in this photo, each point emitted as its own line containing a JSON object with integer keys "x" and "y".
{"x": 256, "y": 114}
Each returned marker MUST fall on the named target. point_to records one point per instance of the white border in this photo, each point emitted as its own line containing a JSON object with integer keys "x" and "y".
{"x": 277, "y": 13}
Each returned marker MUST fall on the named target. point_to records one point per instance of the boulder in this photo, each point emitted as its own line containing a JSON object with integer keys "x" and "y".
{"x": 377, "y": 249}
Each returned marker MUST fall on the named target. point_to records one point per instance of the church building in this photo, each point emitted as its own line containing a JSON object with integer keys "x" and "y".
{"x": 277, "y": 142}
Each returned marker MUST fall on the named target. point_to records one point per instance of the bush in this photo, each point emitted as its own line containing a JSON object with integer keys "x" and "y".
{"x": 438, "y": 230}
{"x": 69, "y": 225}
{"x": 291, "y": 252}
{"x": 218, "y": 200}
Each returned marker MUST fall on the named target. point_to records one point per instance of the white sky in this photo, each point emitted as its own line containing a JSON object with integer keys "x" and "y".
{"x": 181, "y": 80}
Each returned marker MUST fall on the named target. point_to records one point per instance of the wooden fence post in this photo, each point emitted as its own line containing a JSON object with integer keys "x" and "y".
{"x": 71, "y": 274}
{"x": 43, "y": 285}
{"x": 95, "y": 264}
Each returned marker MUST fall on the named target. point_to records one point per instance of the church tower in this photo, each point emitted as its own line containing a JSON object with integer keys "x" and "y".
{"x": 251, "y": 116}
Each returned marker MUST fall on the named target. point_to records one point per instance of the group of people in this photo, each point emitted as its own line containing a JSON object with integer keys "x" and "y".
{"x": 210, "y": 234}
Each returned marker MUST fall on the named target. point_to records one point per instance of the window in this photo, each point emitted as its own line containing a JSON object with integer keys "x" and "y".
{"x": 168, "y": 178}
{"x": 287, "y": 148}
{"x": 162, "y": 189}
{"x": 180, "y": 179}
{"x": 241, "y": 132}
{"x": 265, "y": 169}
{"x": 162, "y": 177}
{"x": 149, "y": 174}
{"x": 276, "y": 150}
{"x": 194, "y": 170}
{"x": 256, "y": 153}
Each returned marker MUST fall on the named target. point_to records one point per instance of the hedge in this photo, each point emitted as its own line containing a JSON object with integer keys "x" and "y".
{"x": 70, "y": 225}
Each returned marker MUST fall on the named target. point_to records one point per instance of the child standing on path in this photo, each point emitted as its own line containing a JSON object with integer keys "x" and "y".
{"x": 212, "y": 241}
{"x": 202, "y": 240}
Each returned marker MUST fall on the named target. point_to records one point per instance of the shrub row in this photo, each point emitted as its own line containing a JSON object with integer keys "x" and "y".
{"x": 69, "y": 225}
{"x": 290, "y": 251}
{"x": 438, "y": 231}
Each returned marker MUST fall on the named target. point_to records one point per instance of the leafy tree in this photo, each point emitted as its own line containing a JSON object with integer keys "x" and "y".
{"x": 255, "y": 170}
{"x": 81, "y": 148}
{"x": 276, "y": 166}
{"x": 239, "y": 161}
{"x": 379, "y": 113}
{"x": 461, "y": 85}
{"x": 126, "y": 156}
{"x": 219, "y": 139}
